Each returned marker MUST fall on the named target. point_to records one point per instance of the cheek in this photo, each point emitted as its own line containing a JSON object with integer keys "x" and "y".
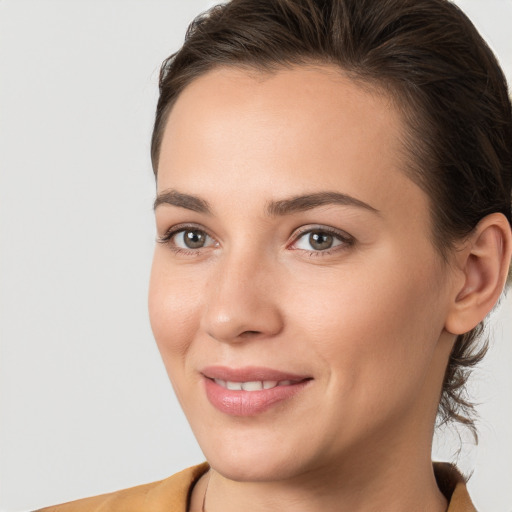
{"x": 373, "y": 325}
{"x": 173, "y": 309}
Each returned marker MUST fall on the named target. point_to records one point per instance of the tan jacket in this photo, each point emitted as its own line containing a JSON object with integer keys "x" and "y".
{"x": 171, "y": 494}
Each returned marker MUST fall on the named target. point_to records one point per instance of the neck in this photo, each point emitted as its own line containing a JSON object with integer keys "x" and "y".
{"x": 392, "y": 472}
{"x": 398, "y": 488}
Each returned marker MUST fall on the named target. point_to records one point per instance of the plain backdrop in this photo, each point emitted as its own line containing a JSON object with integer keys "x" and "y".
{"x": 86, "y": 406}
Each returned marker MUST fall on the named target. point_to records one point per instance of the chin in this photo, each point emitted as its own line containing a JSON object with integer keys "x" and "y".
{"x": 245, "y": 458}
{"x": 255, "y": 468}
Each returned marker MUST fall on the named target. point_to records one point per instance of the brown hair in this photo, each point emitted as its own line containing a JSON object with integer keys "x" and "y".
{"x": 429, "y": 58}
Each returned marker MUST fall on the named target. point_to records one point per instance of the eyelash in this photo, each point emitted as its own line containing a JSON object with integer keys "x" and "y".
{"x": 343, "y": 237}
{"x": 167, "y": 237}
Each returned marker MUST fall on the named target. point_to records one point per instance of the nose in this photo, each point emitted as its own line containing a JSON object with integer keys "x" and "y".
{"x": 242, "y": 299}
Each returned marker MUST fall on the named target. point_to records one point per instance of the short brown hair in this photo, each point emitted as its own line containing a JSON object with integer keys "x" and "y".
{"x": 429, "y": 58}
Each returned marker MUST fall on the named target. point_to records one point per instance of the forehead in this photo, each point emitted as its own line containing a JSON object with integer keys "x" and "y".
{"x": 320, "y": 93}
{"x": 303, "y": 128}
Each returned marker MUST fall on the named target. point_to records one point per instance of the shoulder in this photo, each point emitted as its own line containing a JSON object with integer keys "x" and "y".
{"x": 169, "y": 494}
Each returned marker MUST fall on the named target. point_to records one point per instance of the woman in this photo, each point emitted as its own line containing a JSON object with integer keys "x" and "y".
{"x": 334, "y": 223}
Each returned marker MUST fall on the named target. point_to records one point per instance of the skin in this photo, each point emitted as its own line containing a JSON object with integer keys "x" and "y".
{"x": 366, "y": 320}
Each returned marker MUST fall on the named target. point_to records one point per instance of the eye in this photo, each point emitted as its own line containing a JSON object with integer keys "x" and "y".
{"x": 191, "y": 239}
{"x": 321, "y": 239}
{"x": 187, "y": 239}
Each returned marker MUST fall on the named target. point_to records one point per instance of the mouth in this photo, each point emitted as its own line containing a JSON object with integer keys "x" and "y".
{"x": 253, "y": 385}
{"x": 250, "y": 391}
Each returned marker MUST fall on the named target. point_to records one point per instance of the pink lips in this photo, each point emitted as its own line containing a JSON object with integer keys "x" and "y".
{"x": 264, "y": 388}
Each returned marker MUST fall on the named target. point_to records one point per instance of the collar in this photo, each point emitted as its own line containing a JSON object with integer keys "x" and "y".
{"x": 453, "y": 485}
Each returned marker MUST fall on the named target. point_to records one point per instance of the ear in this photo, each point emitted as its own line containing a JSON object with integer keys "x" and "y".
{"x": 483, "y": 264}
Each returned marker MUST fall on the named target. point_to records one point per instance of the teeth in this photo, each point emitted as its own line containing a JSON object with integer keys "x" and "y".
{"x": 235, "y": 386}
{"x": 255, "y": 385}
{"x": 252, "y": 386}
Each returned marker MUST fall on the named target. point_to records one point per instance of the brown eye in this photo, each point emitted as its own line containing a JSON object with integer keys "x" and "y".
{"x": 320, "y": 241}
{"x": 194, "y": 239}
{"x": 190, "y": 239}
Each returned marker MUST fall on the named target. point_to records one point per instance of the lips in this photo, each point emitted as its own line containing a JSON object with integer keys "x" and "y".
{"x": 251, "y": 390}
{"x": 252, "y": 385}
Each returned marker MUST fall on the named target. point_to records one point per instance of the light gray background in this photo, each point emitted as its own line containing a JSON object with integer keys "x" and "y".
{"x": 86, "y": 407}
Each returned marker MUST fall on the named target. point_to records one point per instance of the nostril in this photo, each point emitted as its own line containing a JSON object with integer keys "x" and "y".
{"x": 249, "y": 333}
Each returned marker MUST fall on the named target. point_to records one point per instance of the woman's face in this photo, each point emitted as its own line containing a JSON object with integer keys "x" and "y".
{"x": 296, "y": 257}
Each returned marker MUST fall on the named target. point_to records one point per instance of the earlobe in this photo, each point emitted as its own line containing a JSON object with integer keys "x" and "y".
{"x": 484, "y": 262}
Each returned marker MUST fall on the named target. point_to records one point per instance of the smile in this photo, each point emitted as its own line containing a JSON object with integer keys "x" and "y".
{"x": 250, "y": 391}
{"x": 253, "y": 385}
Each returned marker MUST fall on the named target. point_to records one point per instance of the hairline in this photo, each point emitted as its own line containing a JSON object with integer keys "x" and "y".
{"x": 407, "y": 109}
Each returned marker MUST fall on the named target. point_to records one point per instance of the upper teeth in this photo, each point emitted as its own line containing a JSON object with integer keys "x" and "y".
{"x": 255, "y": 385}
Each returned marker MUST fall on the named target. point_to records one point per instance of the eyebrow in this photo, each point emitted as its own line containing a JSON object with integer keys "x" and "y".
{"x": 190, "y": 202}
{"x": 310, "y": 201}
{"x": 274, "y": 208}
